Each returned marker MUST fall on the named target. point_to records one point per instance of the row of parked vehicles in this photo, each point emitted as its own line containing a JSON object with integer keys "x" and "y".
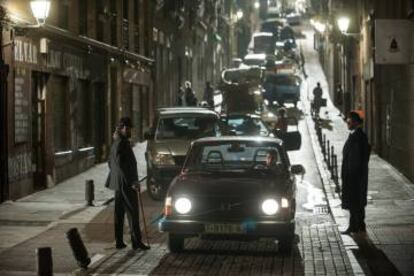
{"x": 212, "y": 169}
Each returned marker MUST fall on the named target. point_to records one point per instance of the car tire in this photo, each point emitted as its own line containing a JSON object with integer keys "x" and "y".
{"x": 286, "y": 241}
{"x": 175, "y": 243}
{"x": 155, "y": 190}
{"x": 286, "y": 244}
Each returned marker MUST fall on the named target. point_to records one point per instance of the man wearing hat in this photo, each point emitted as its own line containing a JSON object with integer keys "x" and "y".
{"x": 123, "y": 179}
{"x": 354, "y": 173}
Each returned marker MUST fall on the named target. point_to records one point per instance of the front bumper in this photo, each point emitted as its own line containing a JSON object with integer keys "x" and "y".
{"x": 261, "y": 228}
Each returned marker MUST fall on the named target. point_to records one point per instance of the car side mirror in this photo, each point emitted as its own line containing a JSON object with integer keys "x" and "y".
{"x": 297, "y": 169}
{"x": 148, "y": 135}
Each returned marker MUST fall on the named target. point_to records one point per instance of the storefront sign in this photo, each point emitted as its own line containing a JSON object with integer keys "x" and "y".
{"x": 25, "y": 51}
{"x": 67, "y": 62}
{"x": 21, "y": 105}
{"x": 393, "y": 44}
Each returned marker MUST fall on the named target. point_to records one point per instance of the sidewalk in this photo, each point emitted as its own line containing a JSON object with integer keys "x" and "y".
{"x": 390, "y": 209}
{"x": 48, "y": 214}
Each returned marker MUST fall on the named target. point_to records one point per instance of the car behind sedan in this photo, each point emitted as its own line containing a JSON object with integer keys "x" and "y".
{"x": 225, "y": 190}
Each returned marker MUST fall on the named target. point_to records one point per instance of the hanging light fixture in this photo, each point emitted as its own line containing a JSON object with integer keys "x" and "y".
{"x": 40, "y": 10}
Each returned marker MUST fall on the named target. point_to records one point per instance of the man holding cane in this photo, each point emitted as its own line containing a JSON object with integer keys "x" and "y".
{"x": 123, "y": 179}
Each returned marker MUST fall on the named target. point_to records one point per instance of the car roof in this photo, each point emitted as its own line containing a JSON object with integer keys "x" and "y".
{"x": 263, "y": 34}
{"x": 237, "y": 114}
{"x": 186, "y": 110}
{"x": 238, "y": 139}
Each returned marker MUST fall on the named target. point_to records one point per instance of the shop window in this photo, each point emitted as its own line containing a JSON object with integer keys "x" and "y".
{"x": 63, "y": 10}
{"x": 61, "y": 137}
{"x": 100, "y": 18}
{"x": 113, "y": 22}
{"x": 83, "y": 17}
{"x": 85, "y": 115}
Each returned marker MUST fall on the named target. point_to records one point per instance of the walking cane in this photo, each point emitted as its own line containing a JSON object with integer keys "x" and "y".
{"x": 142, "y": 211}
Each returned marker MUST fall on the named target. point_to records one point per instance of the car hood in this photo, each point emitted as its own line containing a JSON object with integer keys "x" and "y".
{"x": 174, "y": 147}
{"x": 219, "y": 184}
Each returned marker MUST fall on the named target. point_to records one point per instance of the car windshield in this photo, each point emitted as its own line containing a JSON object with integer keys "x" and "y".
{"x": 247, "y": 126}
{"x": 187, "y": 127}
{"x": 231, "y": 156}
{"x": 253, "y": 61}
{"x": 289, "y": 80}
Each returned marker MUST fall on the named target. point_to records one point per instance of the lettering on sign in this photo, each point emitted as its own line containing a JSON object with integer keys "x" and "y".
{"x": 70, "y": 63}
{"x": 25, "y": 51}
{"x": 21, "y": 106}
{"x": 20, "y": 165}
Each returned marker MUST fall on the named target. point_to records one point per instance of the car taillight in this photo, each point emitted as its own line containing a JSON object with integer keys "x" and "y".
{"x": 168, "y": 206}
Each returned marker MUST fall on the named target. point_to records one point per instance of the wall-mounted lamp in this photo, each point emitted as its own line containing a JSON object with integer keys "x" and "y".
{"x": 40, "y": 10}
{"x": 239, "y": 14}
{"x": 343, "y": 24}
{"x": 256, "y": 5}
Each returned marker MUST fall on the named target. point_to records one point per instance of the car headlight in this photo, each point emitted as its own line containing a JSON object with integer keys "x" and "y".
{"x": 284, "y": 202}
{"x": 163, "y": 159}
{"x": 270, "y": 207}
{"x": 182, "y": 205}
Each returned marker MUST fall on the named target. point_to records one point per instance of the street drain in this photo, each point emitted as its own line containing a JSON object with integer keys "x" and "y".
{"x": 320, "y": 209}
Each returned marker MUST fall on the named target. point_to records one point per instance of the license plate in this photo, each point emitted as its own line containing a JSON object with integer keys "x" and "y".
{"x": 223, "y": 229}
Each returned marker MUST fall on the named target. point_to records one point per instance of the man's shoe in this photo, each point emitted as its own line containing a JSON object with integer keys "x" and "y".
{"x": 140, "y": 245}
{"x": 120, "y": 245}
{"x": 347, "y": 232}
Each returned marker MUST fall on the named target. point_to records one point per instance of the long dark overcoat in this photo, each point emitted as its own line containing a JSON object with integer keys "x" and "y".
{"x": 122, "y": 164}
{"x": 355, "y": 158}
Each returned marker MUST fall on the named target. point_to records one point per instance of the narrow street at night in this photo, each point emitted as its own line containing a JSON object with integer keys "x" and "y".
{"x": 268, "y": 137}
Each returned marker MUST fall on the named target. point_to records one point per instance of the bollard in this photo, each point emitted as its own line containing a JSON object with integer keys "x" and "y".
{"x": 78, "y": 248}
{"x": 332, "y": 162}
{"x": 323, "y": 145}
{"x": 328, "y": 154}
{"x": 44, "y": 263}
{"x": 89, "y": 192}
{"x": 336, "y": 178}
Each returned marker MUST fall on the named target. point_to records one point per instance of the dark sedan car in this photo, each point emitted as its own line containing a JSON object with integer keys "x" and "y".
{"x": 226, "y": 190}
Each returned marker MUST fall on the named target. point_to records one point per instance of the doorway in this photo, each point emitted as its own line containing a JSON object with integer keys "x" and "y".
{"x": 38, "y": 130}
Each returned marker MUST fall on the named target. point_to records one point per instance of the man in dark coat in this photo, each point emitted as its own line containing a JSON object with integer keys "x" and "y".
{"x": 354, "y": 174}
{"x": 123, "y": 179}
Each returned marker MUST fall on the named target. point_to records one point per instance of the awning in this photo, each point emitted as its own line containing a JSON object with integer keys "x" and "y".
{"x": 86, "y": 41}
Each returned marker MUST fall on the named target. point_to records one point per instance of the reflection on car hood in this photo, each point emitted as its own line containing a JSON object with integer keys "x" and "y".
{"x": 174, "y": 147}
{"x": 232, "y": 184}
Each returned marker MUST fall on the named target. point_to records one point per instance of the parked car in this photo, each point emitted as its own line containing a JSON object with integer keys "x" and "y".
{"x": 169, "y": 139}
{"x": 282, "y": 88}
{"x": 242, "y": 124}
{"x": 225, "y": 190}
{"x": 263, "y": 42}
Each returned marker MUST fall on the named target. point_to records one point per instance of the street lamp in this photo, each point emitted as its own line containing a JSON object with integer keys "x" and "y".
{"x": 343, "y": 24}
{"x": 239, "y": 14}
{"x": 40, "y": 10}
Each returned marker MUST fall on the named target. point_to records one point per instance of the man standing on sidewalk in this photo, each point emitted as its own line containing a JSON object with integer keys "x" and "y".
{"x": 123, "y": 179}
{"x": 317, "y": 99}
{"x": 354, "y": 174}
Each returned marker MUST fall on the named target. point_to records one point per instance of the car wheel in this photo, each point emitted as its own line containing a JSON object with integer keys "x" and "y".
{"x": 286, "y": 241}
{"x": 285, "y": 244}
{"x": 155, "y": 190}
{"x": 175, "y": 242}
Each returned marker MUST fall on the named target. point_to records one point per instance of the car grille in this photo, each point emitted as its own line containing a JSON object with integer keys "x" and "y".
{"x": 179, "y": 160}
{"x": 225, "y": 208}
